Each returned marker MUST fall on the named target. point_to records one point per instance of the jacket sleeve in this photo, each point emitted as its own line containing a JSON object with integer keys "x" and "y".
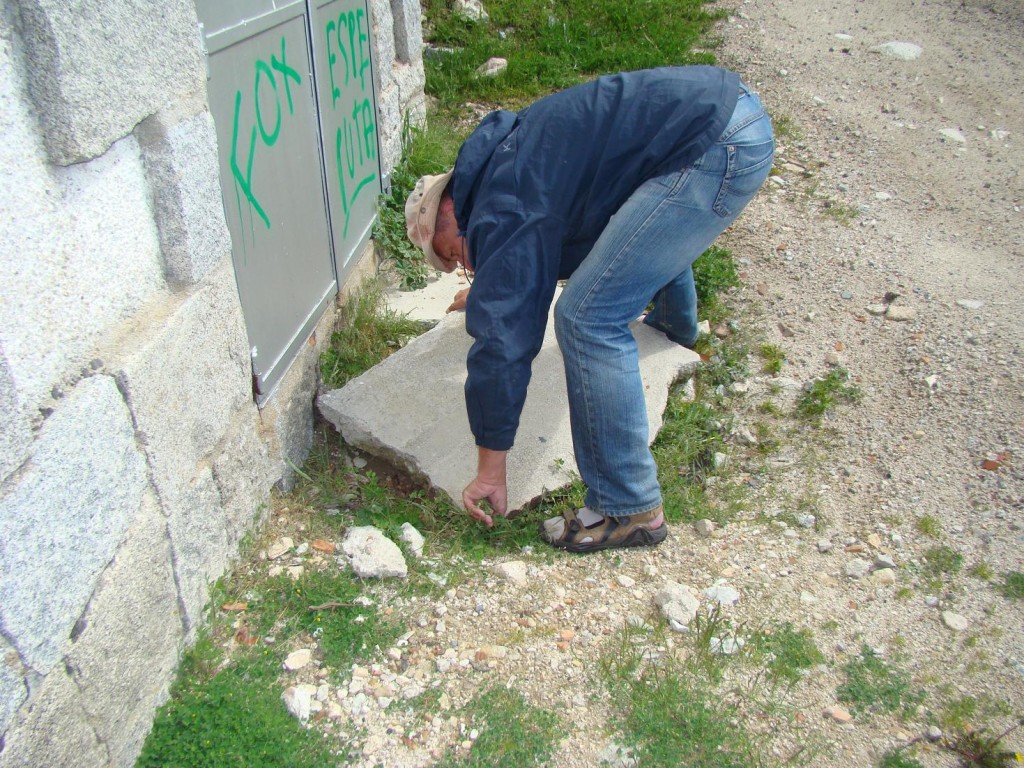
{"x": 506, "y": 314}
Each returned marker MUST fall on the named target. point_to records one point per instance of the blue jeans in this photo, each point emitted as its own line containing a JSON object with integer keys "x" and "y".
{"x": 645, "y": 253}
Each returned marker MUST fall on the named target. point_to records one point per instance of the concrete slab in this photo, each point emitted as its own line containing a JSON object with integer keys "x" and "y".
{"x": 427, "y": 304}
{"x": 410, "y": 408}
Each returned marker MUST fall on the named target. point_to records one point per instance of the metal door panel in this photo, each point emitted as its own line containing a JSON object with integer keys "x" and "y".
{"x": 341, "y": 31}
{"x": 261, "y": 96}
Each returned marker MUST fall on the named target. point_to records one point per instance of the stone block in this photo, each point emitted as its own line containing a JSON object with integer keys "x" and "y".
{"x": 53, "y": 729}
{"x": 64, "y": 515}
{"x": 245, "y": 472}
{"x": 103, "y": 66}
{"x": 15, "y": 430}
{"x": 179, "y": 150}
{"x": 388, "y": 412}
{"x": 81, "y": 255}
{"x": 408, "y": 30}
{"x": 184, "y": 375}
{"x": 127, "y": 642}
{"x": 13, "y": 690}
{"x": 199, "y": 544}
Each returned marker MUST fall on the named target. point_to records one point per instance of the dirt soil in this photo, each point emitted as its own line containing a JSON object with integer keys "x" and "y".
{"x": 875, "y": 211}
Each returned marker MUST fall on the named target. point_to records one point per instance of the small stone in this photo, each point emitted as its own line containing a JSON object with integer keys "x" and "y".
{"x": 471, "y": 10}
{"x": 786, "y": 331}
{"x": 302, "y": 549}
{"x": 704, "y": 326}
{"x": 899, "y": 49}
{"x": 625, "y": 581}
{"x": 883, "y": 578}
{"x": 493, "y": 67}
{"x": 857, "y": 569}
{"x": 279, "y": 548}
{"x": 952, "y": 134}
{"x": 884, "y": 562}
{"x": 372, "y": 554}
{"x": 762, "y": 289}
{"x": 513, "y": 571}
{"x": 847, "y": 295}
{"x": 322, "y": 545}
{"x": 874, "y": 540}
{"x": 837, "y": 714}
{"x": 931, "y": 601}
{"x": 807, "y": 521}
{"x": 722, "y": 331}
{"x": 298, "y": 659}
{"x": 721, "y": 460}
{"x": 727, "y": 646}
{"x": 298, "y": 700}
{"x": 934, "y": 733}
{"x": 955, "y": 621}
{"x": 824, "y": 545}
{"x": 722, "y": 594}
{"x": 972, "y": 304}
{"x": 359, "y": 462}
{"x": 413, "y": 539}
{"x": 678, "y": 603}
{"x": 704, "y": 528}
{"x": 832, "y": 359}
{"x": 806, "y": 598}
{"x": 875, "y": 309}
{"x": 900, "y": 314}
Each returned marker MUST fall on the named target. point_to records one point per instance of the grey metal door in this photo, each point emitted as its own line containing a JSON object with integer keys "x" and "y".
{"x": 295, "y": 221}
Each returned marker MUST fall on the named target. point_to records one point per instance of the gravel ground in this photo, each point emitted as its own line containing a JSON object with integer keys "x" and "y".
{"x": 917, "y": 296}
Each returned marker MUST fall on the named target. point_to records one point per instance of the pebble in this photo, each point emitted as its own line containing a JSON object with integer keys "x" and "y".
{"x": 900, "y": 49}
{"x": 857, "y": 569}
{"x": 298, "y": 659}
{"x": 972, "y": 304}
{"x": 704, "y": 528}
{"x": 875, "y": 309}
{"x": 807, "y": 521}
{"x": 722, "y": 594}
{"x": 953, "y": 135}
{"x": 625, "y": 581}
{"x": 900, "y": 314}
{"x": 727, "y": 646}
{"x": 298, "y": 700}
{"x": 512, "y": 571}
{"x": 838, "y": 714}
{"x": 678, "y": 604}
{"x": 279, "y": 548}
{"x": 955, "y": 621}
{"x": 884, "y": 561}
{"x": 824, "y": 545}
{"x": 883, "y": 578}
{"x": 931, "y": 601}
{"x": 413, "y": 539}
{"x": 934, "y": 733}
{"x": 493, "y": 67}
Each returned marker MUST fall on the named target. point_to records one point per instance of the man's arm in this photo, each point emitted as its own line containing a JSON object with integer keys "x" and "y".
{"x": 489, "y": 485}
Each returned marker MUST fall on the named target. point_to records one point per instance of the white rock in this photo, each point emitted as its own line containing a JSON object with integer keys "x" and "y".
{"x": 955, "y": 621}
{"x": 953, "y": 135}
{"x": 298, "y": 659}
{"x": 722, "y": 594}
{"x": 625, "y": 581}
{"x": 678, "y": 603}
{"x": 883, "y": 578}
{"x": 999, "y": 135}
{"x": 806, "y": 598}
{"x": 900, "y": 313}
{"x": 807, "y": 521}
{"x": 471, "y": 9}
{"x": 704, "y": 528}
{"x": 372, "y": 554}
{"x": 857, "y": 569}
{"x": 875, "y": 309}
{"x": 513, "y": 571}
{"x": 297, "y": 700}
{"x": 727, "y": 646}
{"x": 413, "y": 539}
{"x": 972, "y": 304}
{"x": 704, "y": 326}
{"x": 302, "y": 549}
{"x": 824, "y": 545}
{"x": 721, "y": 460}
{"x": 843, "y": 37}
{"x": 492, "y": 67}
{"x": 899, "y": 49}
{"x": 280, "y": 547}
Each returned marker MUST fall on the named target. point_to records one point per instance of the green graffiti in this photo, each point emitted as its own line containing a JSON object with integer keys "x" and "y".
{"x": 244, "y": 182}
{"x": 264, "y": 73}
{"x": 355, "y": 140}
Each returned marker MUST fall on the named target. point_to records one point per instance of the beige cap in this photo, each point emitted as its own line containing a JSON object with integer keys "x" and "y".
{"x": 421, "y": 214}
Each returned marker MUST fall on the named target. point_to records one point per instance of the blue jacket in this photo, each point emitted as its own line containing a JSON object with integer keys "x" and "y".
{"x": 534, "y": 190}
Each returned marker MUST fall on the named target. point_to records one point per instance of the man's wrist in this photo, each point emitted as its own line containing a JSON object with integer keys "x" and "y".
{"x": 490, "y": 465}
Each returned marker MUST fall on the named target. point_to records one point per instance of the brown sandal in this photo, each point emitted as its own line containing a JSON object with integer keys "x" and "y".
{"x": 641, "y": 530}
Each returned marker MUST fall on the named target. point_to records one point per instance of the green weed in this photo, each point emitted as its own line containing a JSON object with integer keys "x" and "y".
{"x": 872, "y": 686}
{"x": 943, "y": 561}
{"x": 897, "y": 759}
{"x": 772, "y": 357}
{"x": 785, "y": 652}
{"x": 841, "y": 212}
{"x": 982, "y": 570}
{"x": 368, "y": 333}
{"x": 512, "y": 733}
{"x": 929, "y": 526}
{"x": 825, "y": 393}
{"x": 1013, "y": 585}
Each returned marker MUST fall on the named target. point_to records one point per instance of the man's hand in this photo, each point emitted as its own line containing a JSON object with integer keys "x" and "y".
{"x": 459, "y": 302}
{"x": 489, "y": 484}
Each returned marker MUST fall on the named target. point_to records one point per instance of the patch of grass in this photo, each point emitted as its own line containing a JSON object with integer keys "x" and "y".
{"x": 368, "y": 333}
{"x": 982, "y": 570}
{"x": 841, "y": 212}
{"x": 943, "y": 561}
{"x": 550, "y": 46}
{"x": 786, "y": 128}
{"x": 978, "y": 748}
{"x": 929, "y": 526}
{"x": 873, "y": 686}
{"x": 234, "y": 717}
{"x": 899, "y": 759}
{"x": 824, "y": 394}
{"x": 786, "y": 652}
{"x": 1013, "y": 585}
{"x": 714, "y": 272}
{"x": 769, "y": 407}
{"x": 772, "y": 357}
{"x": 670, "y": 716}
{"x": 512, "y": 734}
{"x": 425, "y": 152}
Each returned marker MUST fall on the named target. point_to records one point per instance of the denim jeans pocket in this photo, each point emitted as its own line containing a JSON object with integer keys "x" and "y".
{"x": 747, "y": 167}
